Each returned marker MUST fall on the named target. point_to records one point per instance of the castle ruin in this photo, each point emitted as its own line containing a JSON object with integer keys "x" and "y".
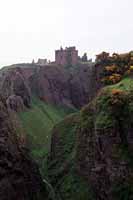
{"x": 67, "y": 56}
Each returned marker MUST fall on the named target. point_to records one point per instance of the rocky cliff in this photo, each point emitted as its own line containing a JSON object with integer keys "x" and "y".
{"x": 19, "y": 175}
{"x": 71, "y": 88}
{"x": 24, "y": 85}
{"x": 14, "y": 87}
{"x": 105, "y": 145}
{"x": 60, "y": 88}
{"x": 92, "y": 150}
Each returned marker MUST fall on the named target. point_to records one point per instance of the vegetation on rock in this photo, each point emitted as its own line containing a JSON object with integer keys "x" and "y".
{"x": 37, "y": 123}
{"x": 115, "y": 67}
{"x": 89, "y": 146}
{"x": 62, "y": 163}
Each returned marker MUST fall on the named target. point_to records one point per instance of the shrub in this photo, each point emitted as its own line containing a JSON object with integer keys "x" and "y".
{"x": 114, "y": 78}
{"x": 111, "y": 68}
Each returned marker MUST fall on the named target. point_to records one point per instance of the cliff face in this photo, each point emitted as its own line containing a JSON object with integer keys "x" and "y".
{"x": 91, "y": 150}
{"x": 94, "y": 154}
{"x": 61, "y": 86}
{"x": 105, "y": 145}
{"x": 14, "y": 87}
{"x": 71, "y": 88}
{"x": 62, "y": 163}
{"x": 19, "y": 174}
{"x": 22, "y": 86}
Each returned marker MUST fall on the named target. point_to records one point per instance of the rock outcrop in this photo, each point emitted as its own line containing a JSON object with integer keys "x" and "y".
{"x": 19, "y": 175}
{"x": 104, "y": 150}
{"x": 56, "y": 85}
{"x": 14, "y": 87}
{"x": 98, "y": 148}
{"x": 15, "y": 103}
{"x": 66, "y": 87}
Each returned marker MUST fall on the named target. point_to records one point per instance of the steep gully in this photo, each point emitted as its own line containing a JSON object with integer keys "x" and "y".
{"x": 55, "y": 85}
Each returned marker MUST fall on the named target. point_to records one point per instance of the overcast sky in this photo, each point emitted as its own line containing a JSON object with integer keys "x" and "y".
{"x": 35, "y": 28}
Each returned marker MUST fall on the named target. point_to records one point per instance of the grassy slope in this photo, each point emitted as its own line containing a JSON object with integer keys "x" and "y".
{"x": 103, "y": 119}
{"x": 37, "y": 123}
{"x": 69, "y": 185}
{"x": 125, "y": 84}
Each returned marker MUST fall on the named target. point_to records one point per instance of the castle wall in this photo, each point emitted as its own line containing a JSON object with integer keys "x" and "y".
{"x": 67, "y": 56}
{"x": 74, "y": 57}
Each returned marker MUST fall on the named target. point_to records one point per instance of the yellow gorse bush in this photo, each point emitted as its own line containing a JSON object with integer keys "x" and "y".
{"x": 131, "y": 67}
{"x": 114, "y": 78}
{"x": 111, "y": 68}
{"x": 117, "y": 92}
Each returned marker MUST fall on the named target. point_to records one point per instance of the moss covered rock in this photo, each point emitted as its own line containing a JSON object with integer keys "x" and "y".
{"x": 91, "y": 151}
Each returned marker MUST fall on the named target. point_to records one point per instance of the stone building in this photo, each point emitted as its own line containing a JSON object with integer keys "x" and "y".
{"x": 42, "y": 62}
{"x": 67, "y": 56}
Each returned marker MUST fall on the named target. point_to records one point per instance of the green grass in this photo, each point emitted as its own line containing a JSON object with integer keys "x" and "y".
{"x": 66, "y": 130}
{"x": 73, "y": 186}
{"x": 104, "y": 117}
{"x": 37, "y": 124}
{"x": 125, "y": 84}
{"x": 62, "y": 170}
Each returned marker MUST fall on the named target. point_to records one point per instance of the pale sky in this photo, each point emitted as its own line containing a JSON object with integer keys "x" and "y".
{"x": 35, "y": 28}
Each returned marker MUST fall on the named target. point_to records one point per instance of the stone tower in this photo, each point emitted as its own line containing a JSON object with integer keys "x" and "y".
{"x": 67, "y": 56}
